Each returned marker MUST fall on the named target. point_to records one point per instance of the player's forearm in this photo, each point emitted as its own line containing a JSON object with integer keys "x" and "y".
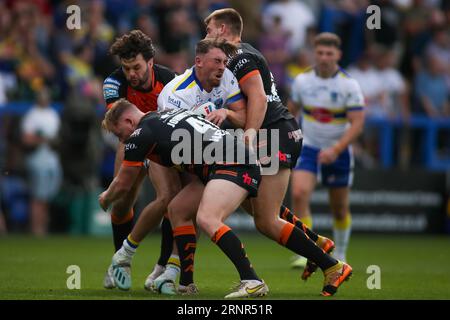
{"x": 237, "y": 118}
{"x": 116, "y": 190}
{"x": 256, "y": 111}
{"x": 350, "y": 135}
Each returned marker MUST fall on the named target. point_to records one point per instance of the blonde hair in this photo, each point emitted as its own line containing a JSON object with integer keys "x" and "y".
{"x": 114, "y": 113}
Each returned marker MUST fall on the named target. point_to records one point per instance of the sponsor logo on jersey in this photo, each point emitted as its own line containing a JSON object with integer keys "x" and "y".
{"x": 296, "y": 135}
{"x": 241, "y": 63}
{"x": 110, "y": 93}
{"x": 174, "y": 102}
{"x": 136, "y": 133}
{"x": 130, "y": 146}
{"x": 112, "y": 81}
{"x": 247, "y": 179}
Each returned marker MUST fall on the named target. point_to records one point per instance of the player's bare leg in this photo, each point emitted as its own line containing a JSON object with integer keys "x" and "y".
{"x": 182, "y": 210}
{"x": 342, "y": 221}
{"x": 266, "y": 207}
{"x": 220, "y": 199}
{"x": 122, "y": 214}
{"x": 167, "y": 184}
{"x": 302, "y": 186}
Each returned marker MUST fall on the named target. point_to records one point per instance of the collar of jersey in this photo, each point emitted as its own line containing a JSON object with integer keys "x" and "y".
{"x": 196, "y": 79}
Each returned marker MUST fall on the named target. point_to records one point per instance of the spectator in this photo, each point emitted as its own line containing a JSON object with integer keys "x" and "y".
{"x": 432, "y": 90}
{"x": 366, "y": 148}
{"x": 80, "y": 129}
{"x": 80, "y": 74}
{"x": 301, "y": 62}
{"x": 32, "y": 67}
{"x": 273, "y": 45}
{"x": 7, "y": 83}
{"x": 439, "y": 48}
{"x": 396, "y": 102}
{"x": 296, "y": 18}
{"x": 40, "y": 127}
{"x": 367, "y": 76}
{"x": 347, "y": 18}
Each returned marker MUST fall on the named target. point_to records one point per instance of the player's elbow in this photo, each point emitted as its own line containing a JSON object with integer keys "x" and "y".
{"x": 259, "y": 100}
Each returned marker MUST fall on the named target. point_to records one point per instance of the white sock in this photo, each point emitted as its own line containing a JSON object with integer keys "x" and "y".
{"x": 341, "y": 237}
{"x": 127, "y": 250}
{"x": 172, "y": 271}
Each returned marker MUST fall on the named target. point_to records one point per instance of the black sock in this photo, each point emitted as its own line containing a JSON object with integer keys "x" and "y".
{"x": 166, "y": 242}
{"x": 287, "y": 215}
{"x": 297, "y": 241}
{"x": 186, "y": 242}
{"x": 121, "y": 232}
{"x": 230, "y": 244}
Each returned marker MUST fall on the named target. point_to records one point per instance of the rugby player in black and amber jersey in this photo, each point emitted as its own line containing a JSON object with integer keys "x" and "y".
{"x": 139, "y": 80}
{"x": 265, "y": 111}
{"x": 227, "y": 182}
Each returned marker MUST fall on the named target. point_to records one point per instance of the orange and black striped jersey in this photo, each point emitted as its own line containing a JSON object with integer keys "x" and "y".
{"x": 249, "y": 62}
{"x": 116, "y": 86}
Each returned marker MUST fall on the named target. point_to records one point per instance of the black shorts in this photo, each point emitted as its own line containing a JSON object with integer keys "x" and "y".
{"x": 289, "y": 137}
{"x": 245, "y": 176}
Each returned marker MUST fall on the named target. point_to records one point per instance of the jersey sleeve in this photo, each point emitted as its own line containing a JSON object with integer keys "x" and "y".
{"x": 165, "y": 74}
{"x": 234, "y": 92}
{"x": 169, "y": 99}
{"x": 114, "y": 88}
{"x": 244, "y": 67}
{"x": 355, "y": 97}
{"x": 296, "y": 89}
{"x": 140, "y": 145}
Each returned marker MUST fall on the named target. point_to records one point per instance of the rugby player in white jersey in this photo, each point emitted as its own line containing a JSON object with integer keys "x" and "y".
{"x": 332, "y": 109}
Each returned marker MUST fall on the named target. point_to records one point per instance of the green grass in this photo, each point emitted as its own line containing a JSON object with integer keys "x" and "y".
{"x": 412, "y": 267}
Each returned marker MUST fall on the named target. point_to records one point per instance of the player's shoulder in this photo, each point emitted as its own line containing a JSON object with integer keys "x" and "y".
{"x": 346, "y": 80}
{"x": 114, "y": 86}
{"x": 183, "y": 81}
{"x": 305, "y": 75}
{"x": 228, "y": 77}
{"x": 144, "y": 126}
{"x": 163, "y": 74}
{"x": 245, "y": 53}
{"x": 249, "y": 50}
{"x": 117, "y": 77}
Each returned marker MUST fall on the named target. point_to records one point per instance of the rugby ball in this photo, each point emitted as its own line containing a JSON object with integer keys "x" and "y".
{"x": 204, "y": 109}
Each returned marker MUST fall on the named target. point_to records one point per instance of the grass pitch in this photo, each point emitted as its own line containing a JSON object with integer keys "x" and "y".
{"x": 412, "y": 267}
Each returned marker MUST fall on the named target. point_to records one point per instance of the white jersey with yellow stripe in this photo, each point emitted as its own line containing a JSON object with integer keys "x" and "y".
{"x": 185, "y": 91}
{"x": 325, "y": 103}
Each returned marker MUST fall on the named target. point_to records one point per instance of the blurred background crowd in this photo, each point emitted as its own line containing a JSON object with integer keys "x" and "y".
{"x": 51, "y": 78}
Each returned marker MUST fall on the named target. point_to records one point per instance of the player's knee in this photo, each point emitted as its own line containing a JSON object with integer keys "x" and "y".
{"x": 300, "y": 194}
{"x": 207, "y": 223}
{"x": 263, "y": 226}
{"x": 166, "y": 196}
{"x": 121, "y": 209}
{"x": 176, "y": 215}
{"x": 171, "y": 213}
